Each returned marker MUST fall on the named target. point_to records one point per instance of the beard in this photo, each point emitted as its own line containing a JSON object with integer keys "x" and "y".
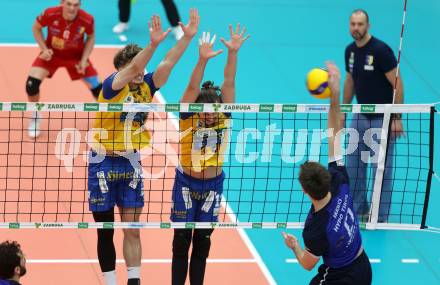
{"x": 358, "y": 35}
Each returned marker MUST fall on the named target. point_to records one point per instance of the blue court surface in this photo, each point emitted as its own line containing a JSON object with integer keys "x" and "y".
{"x": 288, "y": 38}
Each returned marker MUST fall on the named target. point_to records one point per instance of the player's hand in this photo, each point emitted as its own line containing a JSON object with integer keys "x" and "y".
{"x": 397, "y": 129}
{"x": 81, "y": 67}
{"x": 157, "y": 35}
{"x": 334, "y": 78}
{"x": 236, "y": 40}
{"x": 290, "y": 240}
{"x": 205, "y": 46}
{"x": 190, "y": 30}
{"x": 46, "y": 54}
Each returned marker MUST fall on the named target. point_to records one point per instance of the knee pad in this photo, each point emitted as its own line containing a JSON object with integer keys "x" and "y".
{"x": 181, "y": 242}
{"x": 95, "y": 91}
{"x": 202, "y": 242}
{"x": 32, "y": 86}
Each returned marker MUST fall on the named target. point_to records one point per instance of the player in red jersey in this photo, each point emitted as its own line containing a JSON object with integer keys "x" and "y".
{"x": 69, "y": 43}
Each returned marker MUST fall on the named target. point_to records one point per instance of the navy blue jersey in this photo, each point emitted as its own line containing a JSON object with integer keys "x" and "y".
{"x": 368, "y": 65}
{"x": 8, "y": 282}
{"x": 333, "y": 232}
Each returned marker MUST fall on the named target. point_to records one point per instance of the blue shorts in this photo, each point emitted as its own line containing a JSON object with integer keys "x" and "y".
{"x": 196, "y": 200}
{"x": 115, "y": 181}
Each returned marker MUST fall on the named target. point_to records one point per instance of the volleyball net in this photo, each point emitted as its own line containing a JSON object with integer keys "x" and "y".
{"x": 44, "y": 180}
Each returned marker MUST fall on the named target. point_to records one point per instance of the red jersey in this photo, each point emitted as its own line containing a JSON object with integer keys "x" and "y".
{"x": 66, "y": 38}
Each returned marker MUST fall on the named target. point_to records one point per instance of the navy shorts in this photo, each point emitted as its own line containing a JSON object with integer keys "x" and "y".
{"x": 115, "y": 181}
{"x": 196, "y": 200}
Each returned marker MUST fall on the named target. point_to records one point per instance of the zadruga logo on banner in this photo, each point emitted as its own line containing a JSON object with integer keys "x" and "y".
{"x": 48, "y": 225}
{"x": 59, "y": 107}
{"x": 39, "y": 106}
{"x": 230, "y": 108}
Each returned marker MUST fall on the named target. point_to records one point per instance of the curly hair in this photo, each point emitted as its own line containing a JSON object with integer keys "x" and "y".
{"x": 209, "y": 93}
{"x": 126, "y": 55}
{"x": 10, "y": 258}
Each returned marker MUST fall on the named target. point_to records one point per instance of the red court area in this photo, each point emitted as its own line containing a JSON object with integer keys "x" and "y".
{"x": 36, "y": 185}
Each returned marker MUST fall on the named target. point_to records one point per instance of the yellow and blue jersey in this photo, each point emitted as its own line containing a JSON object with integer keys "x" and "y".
{"x": 202, "y": 147}
{"x": 123, "y": 131}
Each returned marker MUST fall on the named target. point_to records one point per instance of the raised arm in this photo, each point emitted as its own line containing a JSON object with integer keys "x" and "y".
{"x": 137, "y": 65}
{"x": 163, "y": 71}
{"x": 233, "y": 45}
{"x": 205, "y": 53}
{"x": 334, "y": 115}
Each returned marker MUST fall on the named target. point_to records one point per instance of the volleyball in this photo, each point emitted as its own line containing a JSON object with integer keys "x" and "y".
{"x": 317, "y": 83}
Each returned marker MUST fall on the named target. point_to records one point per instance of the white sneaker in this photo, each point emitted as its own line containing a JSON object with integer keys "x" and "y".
{"x": 34, "y": 125}
{"x": 120, "y": 27}
{"x": 178, "y": 33}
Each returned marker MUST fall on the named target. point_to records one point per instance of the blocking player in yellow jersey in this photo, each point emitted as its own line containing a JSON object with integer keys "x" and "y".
{"x": 115, "y": 173}
{"x": 198, "y": 185}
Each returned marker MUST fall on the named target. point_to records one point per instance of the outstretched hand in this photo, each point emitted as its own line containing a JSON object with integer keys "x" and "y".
{"x": 157, "y": 35}
{"x": 334, "y": 78}
{"x": 205, "y": 46}
{"x": 190, "y": 30}
{"x": 236, "y": 40}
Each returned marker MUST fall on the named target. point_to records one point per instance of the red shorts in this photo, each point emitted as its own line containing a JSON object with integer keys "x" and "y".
{"x": 56, "y": 62}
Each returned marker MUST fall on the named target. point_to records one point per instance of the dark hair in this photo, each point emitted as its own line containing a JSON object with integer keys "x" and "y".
{"x": 10, "y": 258}
{"x": 315, "y": 180}
{"x": 126, "y": 55}
{"x": 362, "y": 11}
{"x": 209, "y": 93}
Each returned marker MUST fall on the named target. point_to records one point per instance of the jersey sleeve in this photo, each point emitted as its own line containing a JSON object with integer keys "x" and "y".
{"x": 90, "y": 27}
{"x": 338, "y": 173}
{"x": 386, "y": 59}
{"x": 43, "y": 18}
{"x": 346, "y": 59}
{"x": 148, "y": 78}
{"x": 107, "y": 91}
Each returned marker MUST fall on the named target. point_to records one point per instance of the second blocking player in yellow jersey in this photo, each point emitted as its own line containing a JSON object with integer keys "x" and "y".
{"x": 115, "y": 173}
{"x": 198, "y": 185}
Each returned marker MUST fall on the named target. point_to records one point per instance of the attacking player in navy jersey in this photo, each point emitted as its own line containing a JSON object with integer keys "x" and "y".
{"x": 331, "y": 229}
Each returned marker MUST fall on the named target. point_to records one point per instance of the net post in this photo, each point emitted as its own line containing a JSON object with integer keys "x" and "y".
{"x": 378, "y": 180}
{"x": 431, "y": 166}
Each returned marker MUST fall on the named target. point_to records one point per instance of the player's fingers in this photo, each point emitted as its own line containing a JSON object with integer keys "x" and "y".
{"x": 237, "y": 29}
{"x": 208, "y": 36}
{"x": 243, "y": 32}
{"x": 218, "y": 52}
{"x": 213, "y": 40}
{"x": 230, "y": 30}
{"x": 203, "y": 37}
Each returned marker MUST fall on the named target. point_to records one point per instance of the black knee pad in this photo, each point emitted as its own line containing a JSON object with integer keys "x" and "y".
{"x": 181, "y": 242}
{"x": 201, "y": 242}
{"x": 32, "y": 86}
{"x": 95, "y": 91}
